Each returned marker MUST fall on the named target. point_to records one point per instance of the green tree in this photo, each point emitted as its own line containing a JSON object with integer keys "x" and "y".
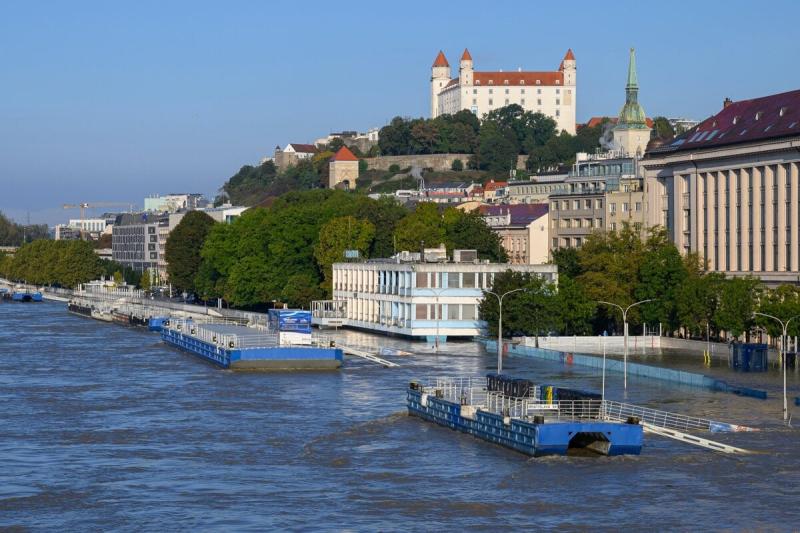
{"x": 573, "y": 309}
{"x": 336, "y": 236}
{"x": 457, "y": 165}
{"x": 698, "y": 300}
{"x": 531, "y": 312}
{"x": 782, "y": 302}
{"x": 183, "y": 249}
{"x": 662, "y": 129}
{"x": 424, "y": 224}
{"x": 738, "y": 301}
{"x": 661, "y": 273}
{"x": 468, "y": 231}
{"x": 568, "y": 262}
{"x": 497, "y": 149}
{"x": 118, "y": 279}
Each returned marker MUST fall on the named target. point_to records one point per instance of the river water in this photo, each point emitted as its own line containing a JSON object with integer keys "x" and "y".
{"x": 104, "y": 427}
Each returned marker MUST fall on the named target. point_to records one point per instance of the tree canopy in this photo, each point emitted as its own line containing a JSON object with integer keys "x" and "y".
{"x": 59, "y": 263}
{"x": 183, "y": 249}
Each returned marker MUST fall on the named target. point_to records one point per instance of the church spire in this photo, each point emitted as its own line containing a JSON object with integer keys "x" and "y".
{"x": 633, "y": 81}
{"x": 632, "y": 115}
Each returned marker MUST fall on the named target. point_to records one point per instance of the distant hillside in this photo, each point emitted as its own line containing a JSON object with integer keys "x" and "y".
{"x": 11, "y": 234}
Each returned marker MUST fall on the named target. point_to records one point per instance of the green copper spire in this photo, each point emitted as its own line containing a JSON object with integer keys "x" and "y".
{"x": 632, "y": 115}
{"x": 633, "y": 82}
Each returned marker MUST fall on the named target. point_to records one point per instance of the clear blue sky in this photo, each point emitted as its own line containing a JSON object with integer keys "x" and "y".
{"x": 112, "y": 101}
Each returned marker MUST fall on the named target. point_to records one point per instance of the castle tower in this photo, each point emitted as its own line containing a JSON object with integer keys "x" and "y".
{"x": 440, "y": 76}
{"x": 568, "y": 68}
{"x": 465, "y": 69}
{"x": 631, "y": 134}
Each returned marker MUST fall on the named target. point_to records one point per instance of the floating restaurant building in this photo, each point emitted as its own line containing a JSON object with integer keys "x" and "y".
{"x": 416, "y": 295}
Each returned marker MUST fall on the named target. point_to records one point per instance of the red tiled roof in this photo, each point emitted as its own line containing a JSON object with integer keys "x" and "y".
{"x": 304, "y": 148}
{"x": 494, "y": 185}
{"x": 466, "y": 55}
{"x": 570, "y": 56}
{"x": 768, "y": 117}
{"x": 521, "y": 214}
{"x": 344, "y": 154}
{"x": 518, "y": 78}
{"x": 441, "y": 61}
{"x": 451, "y": 83}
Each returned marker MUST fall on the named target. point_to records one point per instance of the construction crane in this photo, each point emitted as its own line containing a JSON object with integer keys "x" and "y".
{"x": 91, "y": 205}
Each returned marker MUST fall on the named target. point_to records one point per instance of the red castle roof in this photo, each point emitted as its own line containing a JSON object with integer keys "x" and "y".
{"x": 466, "y": 55}
{"x": 441, "y": 61}
{"x": 570, "y": 56}
{"x": 344, "y": 154}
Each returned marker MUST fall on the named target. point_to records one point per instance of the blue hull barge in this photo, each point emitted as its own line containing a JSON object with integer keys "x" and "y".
{"x": 240, "y": 347}
{"x": 522, "y": 420}
{"x": 25, "y": 296}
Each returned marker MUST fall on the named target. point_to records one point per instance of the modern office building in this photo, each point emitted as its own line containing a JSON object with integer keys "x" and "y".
{"x": 172, "y": 203}
{"x": 413, "y": 296}
{"x": 729, "y": 189}
{"x": 135, "y": 240}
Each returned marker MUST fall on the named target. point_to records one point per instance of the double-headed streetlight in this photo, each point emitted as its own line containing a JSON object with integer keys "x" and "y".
{"x": 785, "y": 325}
{"x": 625, "y": 329}
{"x": 500, "y": 325}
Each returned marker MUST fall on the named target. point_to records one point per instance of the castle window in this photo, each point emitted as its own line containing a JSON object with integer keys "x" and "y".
{"x": 474, "y": 101}
{"x": 538, "y": 101}
{"x": 522, "y": 82}
{"x": 558, "y": 112}
{"x": 558, "y": 82}
{"x": 558, "y": 101}
{"x": 491, "y": 91}
{"x": 538, "y": 91}
{"x": 490, "y": 101}
{"x": 474, "y": 91}
{"x": 506, "y": 91}
{"x": 505, "y": 82}
{"x": 558, "y": 91}
{"x": 522, "y": 102}
{"x": 522, "y": 91}
{"x": 477, "y": 82}
{"x": 491, "y": 82}
{"x": 506, "y": 101}
{"x": 538, "y": 82}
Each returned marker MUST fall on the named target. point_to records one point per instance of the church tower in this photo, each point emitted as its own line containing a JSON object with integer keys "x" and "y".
{"x": 440, "y": 76}
{"x": 631, "y": 134}
{"x": 465, "y": 69}
{"x": 568, "y": 68}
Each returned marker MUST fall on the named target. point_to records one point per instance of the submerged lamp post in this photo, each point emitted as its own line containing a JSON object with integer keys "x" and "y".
{"x": 785, "y": 325}
{"x": 438, "y": 312}
{"x": 625, "y": 330}
{"x": 500, "y": 325}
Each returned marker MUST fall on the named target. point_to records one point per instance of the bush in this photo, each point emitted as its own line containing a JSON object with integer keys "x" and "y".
{"x": 457, "y": 165}
{"x": 394, "y": 168}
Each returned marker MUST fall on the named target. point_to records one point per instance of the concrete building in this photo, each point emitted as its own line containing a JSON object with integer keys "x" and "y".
{"x": 343, "y": 169}
{"x": 535, "y": 190}
{"x": 410, "y": 295}
{"x": 603, "y": 191}
{"x": 729, "y": 189}
{"x": 174, "y": 202}
{"x": 551, "y": 93}
{"x": 65, "y": 232}
{"x": 136, "y": 240}
{"x": 523, "y": 229}
{"x": 89, "y": 225}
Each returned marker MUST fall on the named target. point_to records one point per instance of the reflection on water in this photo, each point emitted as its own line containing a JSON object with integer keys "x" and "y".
{"x": 105, "y": 427}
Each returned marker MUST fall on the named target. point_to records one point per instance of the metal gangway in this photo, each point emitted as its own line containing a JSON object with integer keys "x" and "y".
{"x": 364, "y": 354}
{"x": 674, "y": 426}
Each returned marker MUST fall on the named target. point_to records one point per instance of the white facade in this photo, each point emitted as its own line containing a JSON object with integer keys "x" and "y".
{"x": 551, "y": 93}
{"x": 91, "y": 225}
{"x": 174, "y": 202}
{"x": 417, "y": 299}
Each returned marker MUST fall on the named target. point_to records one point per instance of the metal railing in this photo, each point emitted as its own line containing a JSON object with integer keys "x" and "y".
{"x": 663, "y": 419}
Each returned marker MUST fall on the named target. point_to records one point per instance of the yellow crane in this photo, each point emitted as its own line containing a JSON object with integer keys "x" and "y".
{"x": 83, "y": 206}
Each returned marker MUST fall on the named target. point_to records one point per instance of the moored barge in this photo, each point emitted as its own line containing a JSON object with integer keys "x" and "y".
{"x": 522, "y": 416}
{"x": 239, "y": 347}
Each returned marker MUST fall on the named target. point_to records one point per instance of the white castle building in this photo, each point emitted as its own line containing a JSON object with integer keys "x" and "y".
{"x": 550, "y": 93}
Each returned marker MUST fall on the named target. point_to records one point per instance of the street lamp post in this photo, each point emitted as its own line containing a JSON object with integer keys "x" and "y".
{"x": 785, "y": 326}
{"x": 625, "y": 331}
{"x": 500, "y": 325}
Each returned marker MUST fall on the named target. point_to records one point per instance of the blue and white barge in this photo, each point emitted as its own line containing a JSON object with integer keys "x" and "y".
{"x": 522, "y": 416}
{"x": 240, "y": 347}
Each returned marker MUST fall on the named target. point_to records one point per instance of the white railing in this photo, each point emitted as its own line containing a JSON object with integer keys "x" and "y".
{"x": 663, "y": 419}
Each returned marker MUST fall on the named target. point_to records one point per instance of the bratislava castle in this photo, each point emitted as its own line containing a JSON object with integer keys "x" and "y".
{"x": 550, "y": 93}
